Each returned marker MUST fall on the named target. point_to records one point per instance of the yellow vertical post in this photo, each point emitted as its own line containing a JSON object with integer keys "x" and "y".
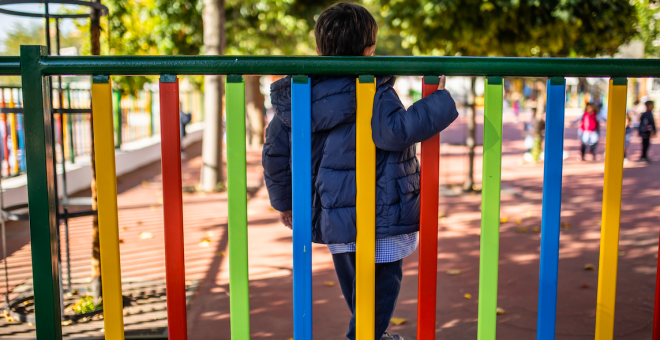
{"x": 14, "y": 133}
{"x": 609, "y": 239}
{"x": 106, "y": 182}
{"x": 365, "y": 209}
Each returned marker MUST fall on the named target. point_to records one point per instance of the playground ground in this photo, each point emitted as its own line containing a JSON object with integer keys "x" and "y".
{"x": 205, "y": 222}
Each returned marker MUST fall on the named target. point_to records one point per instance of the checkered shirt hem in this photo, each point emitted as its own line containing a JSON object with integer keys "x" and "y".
{"x": 388, "y": 249}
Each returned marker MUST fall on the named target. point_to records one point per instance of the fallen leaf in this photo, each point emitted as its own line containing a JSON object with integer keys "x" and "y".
{"x": 9, "y": 319}
{"x": 205, "y": 242}
{"x": 66, "y": 322}
{"x": 504, "y": 219}
{"x": 584, "y": 285}
{"x": 121, "y": 241}
{"x": 622, "y": 253}
{"x": 536, "y": 229}
{"x": 467, "y": 296}
{"x": 159, "y": 200}
{"x": 589, "y": 266}
{"x": 454, "y": 271}
{"x": 124, "y": 228}
{"x": 146, "y": 235}
{"x": 441, "y": 213}
{"x": 500, "y": 311}
{"x": 30, "y": 324}
{"x": 522, "y": 230}
{"x": 329, "y": 283}
{"x": 271, "y": 208}
{"x": 145, "y": 184}
{"x": 138, "y": 222}
{"x": 220, "y": 254}
{"x": 398, "y": 321}
{"x": 518, "y": 221}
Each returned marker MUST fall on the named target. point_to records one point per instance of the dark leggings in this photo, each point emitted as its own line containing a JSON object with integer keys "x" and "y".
{"x": 592, "y": 149}
{"x": 646, "y": 143}
{"x": 388, "y": 284}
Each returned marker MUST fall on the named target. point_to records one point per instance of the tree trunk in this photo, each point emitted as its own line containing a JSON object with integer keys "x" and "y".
{"x": 97, "y": 290}
{"x": 254, "y": 102}
{"x": 471, "y": 139}
{"x": 539, "y": 120}
{"x": 212, "y": 176}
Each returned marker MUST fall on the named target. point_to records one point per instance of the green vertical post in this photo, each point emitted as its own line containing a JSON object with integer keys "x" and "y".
{"x": 201, "y": 106}
{"x": 150, "y": 110}
{"x": 41, "y": 193}
{"x": 117, "y": 118}
{"x": 239, "y": 304}
{"x": 69, "y": 123}
{"x": 490, "y": 209}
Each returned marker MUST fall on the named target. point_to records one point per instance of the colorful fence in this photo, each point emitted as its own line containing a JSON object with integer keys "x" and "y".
{"x": 135, "y": 118}
{"x": 34, "y": 65}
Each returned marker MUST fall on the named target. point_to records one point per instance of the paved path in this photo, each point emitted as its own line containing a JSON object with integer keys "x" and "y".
{"x": 271, "y": 262}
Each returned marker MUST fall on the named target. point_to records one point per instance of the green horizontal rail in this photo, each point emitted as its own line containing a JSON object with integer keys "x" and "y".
{"x": 452, "y": 66}
{"x": 313, "y": 65}
{"x": 10, "y": 66}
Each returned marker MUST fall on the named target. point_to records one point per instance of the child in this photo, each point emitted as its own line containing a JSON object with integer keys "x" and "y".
{"x": 346, "y": 29}
{"x": 589, "y": 130}
{"x": 646, "y": 130}
{"x": 629, "y": 131}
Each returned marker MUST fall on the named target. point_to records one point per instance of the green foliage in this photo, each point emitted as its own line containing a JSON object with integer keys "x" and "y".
{"x": 85, "y": 305}
{"x": 648, "y": 14}
{"x": 510, "y": 27}
{"x": 33, "y": 33}
{"x": 271, "y": 27}
{"x": 149, "y": 27}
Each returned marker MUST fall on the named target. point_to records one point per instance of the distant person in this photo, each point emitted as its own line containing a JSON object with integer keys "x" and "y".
{"x": 647, "y": 130}
{"x": 346, "y": 29}
{"x": 184, "y": 120}
{"x": 589, "y": 131}
{"x": 629, "y": 131}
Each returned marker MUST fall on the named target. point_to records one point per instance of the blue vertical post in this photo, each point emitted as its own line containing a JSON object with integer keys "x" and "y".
{"x": 552, "y": 172}
{"x": 301, "y": 171}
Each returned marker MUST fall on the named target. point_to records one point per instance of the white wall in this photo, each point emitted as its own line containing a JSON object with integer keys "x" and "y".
{"x": 132, "y": 156}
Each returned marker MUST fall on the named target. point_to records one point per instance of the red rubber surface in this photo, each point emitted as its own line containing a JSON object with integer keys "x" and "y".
{"x": 656, "y": 310}
{"x": 428, "y": 232}
{"x": 173, "y": 210}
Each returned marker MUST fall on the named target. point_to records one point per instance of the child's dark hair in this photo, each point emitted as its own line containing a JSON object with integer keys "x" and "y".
{"x": 345, "y": 29}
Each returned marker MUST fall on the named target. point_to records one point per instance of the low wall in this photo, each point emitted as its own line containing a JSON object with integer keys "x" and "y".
{"x": 132, "y": 156}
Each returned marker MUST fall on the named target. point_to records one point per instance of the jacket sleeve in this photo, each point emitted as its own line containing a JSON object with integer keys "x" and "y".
{"x": 277, "y": 165}
{"x": 395, "y": 129}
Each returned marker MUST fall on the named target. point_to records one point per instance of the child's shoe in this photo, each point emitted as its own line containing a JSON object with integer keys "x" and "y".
{"x": 388, "y": 336}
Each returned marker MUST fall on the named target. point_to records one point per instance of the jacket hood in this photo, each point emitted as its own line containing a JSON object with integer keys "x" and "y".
{"x": 333, "y": 100}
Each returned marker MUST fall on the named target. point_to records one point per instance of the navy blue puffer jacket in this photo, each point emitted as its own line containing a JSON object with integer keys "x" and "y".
{"x": 395, "y": 132}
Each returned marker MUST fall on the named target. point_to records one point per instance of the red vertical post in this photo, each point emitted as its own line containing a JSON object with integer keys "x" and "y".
{"x": 3, "y": 121}
{"x": 428, "y": 228}
{"x": 173, "y": 207}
